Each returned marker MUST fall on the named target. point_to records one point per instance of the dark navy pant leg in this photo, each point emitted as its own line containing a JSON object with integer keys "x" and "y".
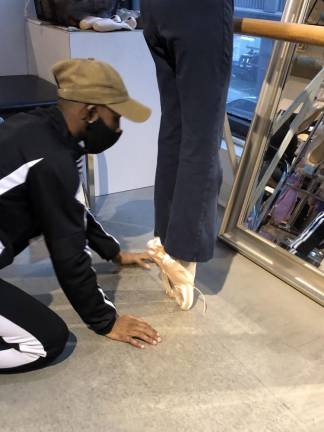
{"x": 194, "y": 41}
{"x": 169, "y": 137}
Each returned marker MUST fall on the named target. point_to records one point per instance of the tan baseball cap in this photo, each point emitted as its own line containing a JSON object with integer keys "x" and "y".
{"x": 94, "y": 82}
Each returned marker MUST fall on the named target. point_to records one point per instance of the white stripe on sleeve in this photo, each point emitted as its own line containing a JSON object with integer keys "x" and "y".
{"x": 17, "y": 177}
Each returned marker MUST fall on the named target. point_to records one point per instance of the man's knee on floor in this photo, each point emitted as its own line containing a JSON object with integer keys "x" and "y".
{"x": 56, "y": 339}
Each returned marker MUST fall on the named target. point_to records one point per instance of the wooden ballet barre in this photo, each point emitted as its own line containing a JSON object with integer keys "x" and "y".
{"x": 298, "y": 33}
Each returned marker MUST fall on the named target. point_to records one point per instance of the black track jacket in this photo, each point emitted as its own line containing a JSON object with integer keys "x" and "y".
{"x": 39, "y": 180}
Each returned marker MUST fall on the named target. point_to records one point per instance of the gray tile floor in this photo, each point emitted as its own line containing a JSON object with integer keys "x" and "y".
{"x": 253, "y": 363}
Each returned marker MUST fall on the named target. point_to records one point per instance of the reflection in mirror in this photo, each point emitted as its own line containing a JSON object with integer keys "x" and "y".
{"x": 287, "y": 203}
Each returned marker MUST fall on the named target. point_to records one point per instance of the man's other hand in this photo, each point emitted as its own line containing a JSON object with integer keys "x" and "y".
{"x": 134, "y": 331}
{"x": 137, "y": 258}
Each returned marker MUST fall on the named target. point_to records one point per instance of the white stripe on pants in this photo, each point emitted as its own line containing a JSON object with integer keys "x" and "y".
{"x": 30, "y": 348}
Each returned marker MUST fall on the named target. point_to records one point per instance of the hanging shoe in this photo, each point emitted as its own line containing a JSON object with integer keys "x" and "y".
{"x": 315, "y": 155}
{"x": 316, "y": 110}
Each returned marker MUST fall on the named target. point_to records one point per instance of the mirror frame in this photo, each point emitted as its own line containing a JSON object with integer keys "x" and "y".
{"x": 291, "y": 269}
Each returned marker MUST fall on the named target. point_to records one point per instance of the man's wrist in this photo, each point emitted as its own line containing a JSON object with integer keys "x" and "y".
{"x": 118, "y": 258}
{"x": 111, "y": 326}
{"x": 108, "y": 327}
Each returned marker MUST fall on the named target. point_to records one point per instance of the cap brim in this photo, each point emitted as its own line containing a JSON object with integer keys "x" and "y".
{"x": 132, "y": 110}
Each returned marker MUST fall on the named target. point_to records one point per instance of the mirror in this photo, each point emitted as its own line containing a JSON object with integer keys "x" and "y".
{"x": 275, "y": 214}
{"x": 287, "y": 205}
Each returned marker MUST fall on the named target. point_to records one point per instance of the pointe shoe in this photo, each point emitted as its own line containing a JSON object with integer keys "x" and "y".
{"x": 177, "y": 277}
{"x": 315, "y": 156}
{"x": 108, "y": 25}
{"x": 312, "y": 116}
{"x": 88, "y": 22}
{"x": 169, "y": 291}
{"x": 156, "y": 251}
{"x": 116, "y": 18}
{"x": 181, "y": 280}
{"x": 131, "y": 22}
{"x": 154, "y": 244}
{"x": 184, "y": 296}
{"x": 178, "y": 282}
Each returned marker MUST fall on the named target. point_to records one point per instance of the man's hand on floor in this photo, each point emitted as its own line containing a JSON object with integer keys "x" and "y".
{"x": 134, "y": 331}
{"x": 138, "y": 258}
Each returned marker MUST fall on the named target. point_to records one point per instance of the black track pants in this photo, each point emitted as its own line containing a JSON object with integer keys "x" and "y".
{"x": 31, "y": 335}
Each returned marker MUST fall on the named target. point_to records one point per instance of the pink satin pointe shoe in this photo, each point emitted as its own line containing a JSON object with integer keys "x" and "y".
{"x": 178, "y": 282}
{"x": 157, "y": 252}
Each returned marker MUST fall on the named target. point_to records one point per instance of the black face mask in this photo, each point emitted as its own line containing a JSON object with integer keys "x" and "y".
{"x": 99, "y": 137}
